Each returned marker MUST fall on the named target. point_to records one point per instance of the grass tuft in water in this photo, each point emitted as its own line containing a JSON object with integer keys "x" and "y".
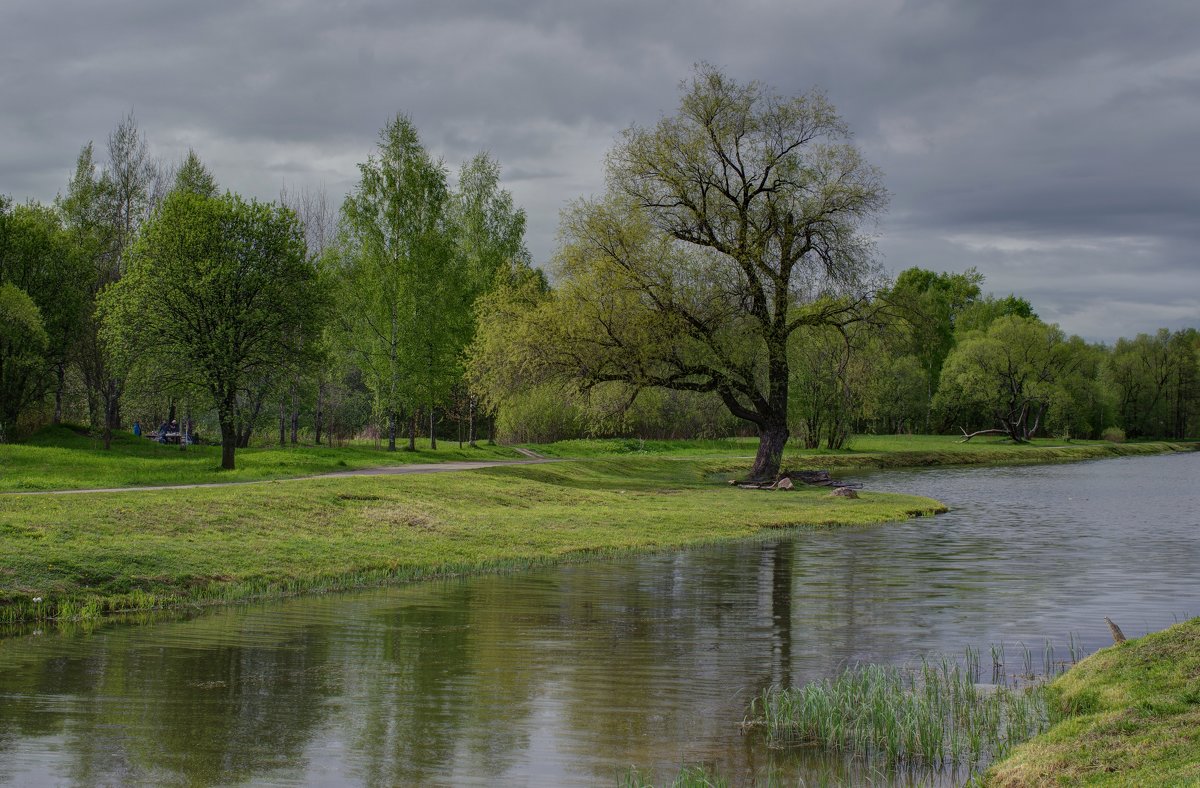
{"x": 935, "y": 715}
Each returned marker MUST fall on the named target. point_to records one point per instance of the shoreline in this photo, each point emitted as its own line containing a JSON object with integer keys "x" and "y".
{"x": 92, "y": 555}
{"x": 88, "y": 556}
{"x": 1130, "y": 716}
{"x": 1005, "y": 456}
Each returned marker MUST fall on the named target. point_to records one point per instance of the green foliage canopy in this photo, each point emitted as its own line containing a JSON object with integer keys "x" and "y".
{"x": 215, "y": 293}
{"x": 1015, "y": 371}
{"x": 728, "y": 229}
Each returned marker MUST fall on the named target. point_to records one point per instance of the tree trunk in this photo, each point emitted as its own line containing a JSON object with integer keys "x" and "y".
{"x": 320, "y": 413}
{"x": 295, "y": 430}
{"x": 282, "y": 421}
{"x": 771, "y": 441}
{"x": 471, "y": 425}
{"x": 94, "y": 409}
{"x": 412, "y": 431}
{"x": 392, "y": 417}
{"x": 60, "y": 383}
{"x": 111, "y": 406}
{"x": 229, "y": 441}
{"x": 432, "y": 427}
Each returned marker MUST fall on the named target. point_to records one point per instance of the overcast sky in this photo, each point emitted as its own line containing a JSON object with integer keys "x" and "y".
{"x": 1055, "y": 146}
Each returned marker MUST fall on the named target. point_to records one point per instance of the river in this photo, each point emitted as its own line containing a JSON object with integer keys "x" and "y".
{"x": 570, "y": 675}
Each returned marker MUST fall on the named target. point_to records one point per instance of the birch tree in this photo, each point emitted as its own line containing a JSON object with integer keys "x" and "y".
{"x": 395, "y": 261}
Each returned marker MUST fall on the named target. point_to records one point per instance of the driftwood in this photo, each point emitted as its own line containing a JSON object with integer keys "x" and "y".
{"x": 967, "y": 437}
{"x": 788, "y": 479}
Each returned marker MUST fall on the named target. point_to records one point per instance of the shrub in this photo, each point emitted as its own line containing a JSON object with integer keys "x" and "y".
{"x": 1113, "y": 435}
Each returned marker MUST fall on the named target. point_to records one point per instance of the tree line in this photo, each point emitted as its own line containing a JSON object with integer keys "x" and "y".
{"x": 145, "y": 292}
{"x": 724, "y": 282}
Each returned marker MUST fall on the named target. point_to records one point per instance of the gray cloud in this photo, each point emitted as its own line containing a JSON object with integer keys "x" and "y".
{"x": 1051, "y": 145}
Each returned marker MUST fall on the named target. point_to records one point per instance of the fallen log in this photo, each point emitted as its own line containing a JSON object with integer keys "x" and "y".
{"x": 788, "y": 479}
{"x": 782, "y": 483}
{"x": 967, "y": 438}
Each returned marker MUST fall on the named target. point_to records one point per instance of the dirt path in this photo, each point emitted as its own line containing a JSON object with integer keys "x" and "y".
{"x": 387, "y": 470}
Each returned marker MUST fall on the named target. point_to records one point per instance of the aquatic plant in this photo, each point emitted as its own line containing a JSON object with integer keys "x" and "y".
{"x": 935, "y": 714}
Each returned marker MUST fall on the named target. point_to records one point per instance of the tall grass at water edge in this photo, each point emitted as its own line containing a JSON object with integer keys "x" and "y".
{"x": 936, "y": 715}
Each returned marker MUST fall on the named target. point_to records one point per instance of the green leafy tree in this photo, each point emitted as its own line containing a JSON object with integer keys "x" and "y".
{"x": 505, "y": 369}
{"x": 212, "y": 288}
{"x": 194, "y": 177}
{"x": 491, "y": 240}
{"x": 929, "y": 305}
{"x": 319, "y": 219}
{"x": 38, "y": 258}
{"x": 1156, "y": 383}
{"x": 1013, "y": 373}
{"x": 1083, "y": 406}
{"x": 104, "y": 211}
{"x": 896, "y": 395}
{"x": 399, "y": 277}
{"x": 982, "y": 312}
{"x": 729, "y": 230}
{"x": 85, "y": 214}
{"x": 1183, "y": 394}
{"x": 23, "y": 343}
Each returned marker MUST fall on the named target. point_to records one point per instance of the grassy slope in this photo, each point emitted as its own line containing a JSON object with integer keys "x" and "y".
{"x": 1133, "y": 719}
{"x": 90, "y": 554}
{"x": 59, "y": 459}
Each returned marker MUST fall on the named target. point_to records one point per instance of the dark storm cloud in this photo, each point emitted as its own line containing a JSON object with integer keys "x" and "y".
{"x": 1051, "y": 145}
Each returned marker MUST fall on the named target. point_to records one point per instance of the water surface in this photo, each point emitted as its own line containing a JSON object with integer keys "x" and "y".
{"x": 569, "y": 675}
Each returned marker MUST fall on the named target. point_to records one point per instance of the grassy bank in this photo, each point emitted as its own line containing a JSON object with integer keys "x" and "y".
{"x": 869, "y": 451}
{"x": 89, "y": 554}
{"x": 1128, "y": 715}
{"x": 1132, "y": 717}
{"x": 59, "y": 458}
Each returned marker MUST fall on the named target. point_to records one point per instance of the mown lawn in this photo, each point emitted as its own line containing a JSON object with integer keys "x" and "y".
{"x": 59, "y": 458}
{"x": 91, "y": 553}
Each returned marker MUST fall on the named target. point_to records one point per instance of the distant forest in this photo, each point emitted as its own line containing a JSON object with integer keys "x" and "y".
{"x": 147, "y": 292}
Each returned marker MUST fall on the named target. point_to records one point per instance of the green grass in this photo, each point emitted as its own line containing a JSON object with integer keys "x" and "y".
{"x": 60, "y": 458}
{"x": 89, "y": 554}
{"x": 1131, "y": 717}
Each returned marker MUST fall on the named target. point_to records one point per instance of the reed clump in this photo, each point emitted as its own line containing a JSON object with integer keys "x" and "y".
{"x": 935, "y": 715}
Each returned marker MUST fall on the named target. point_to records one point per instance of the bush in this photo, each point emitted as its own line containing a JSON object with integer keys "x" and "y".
{"x": 1113, "y": 435}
